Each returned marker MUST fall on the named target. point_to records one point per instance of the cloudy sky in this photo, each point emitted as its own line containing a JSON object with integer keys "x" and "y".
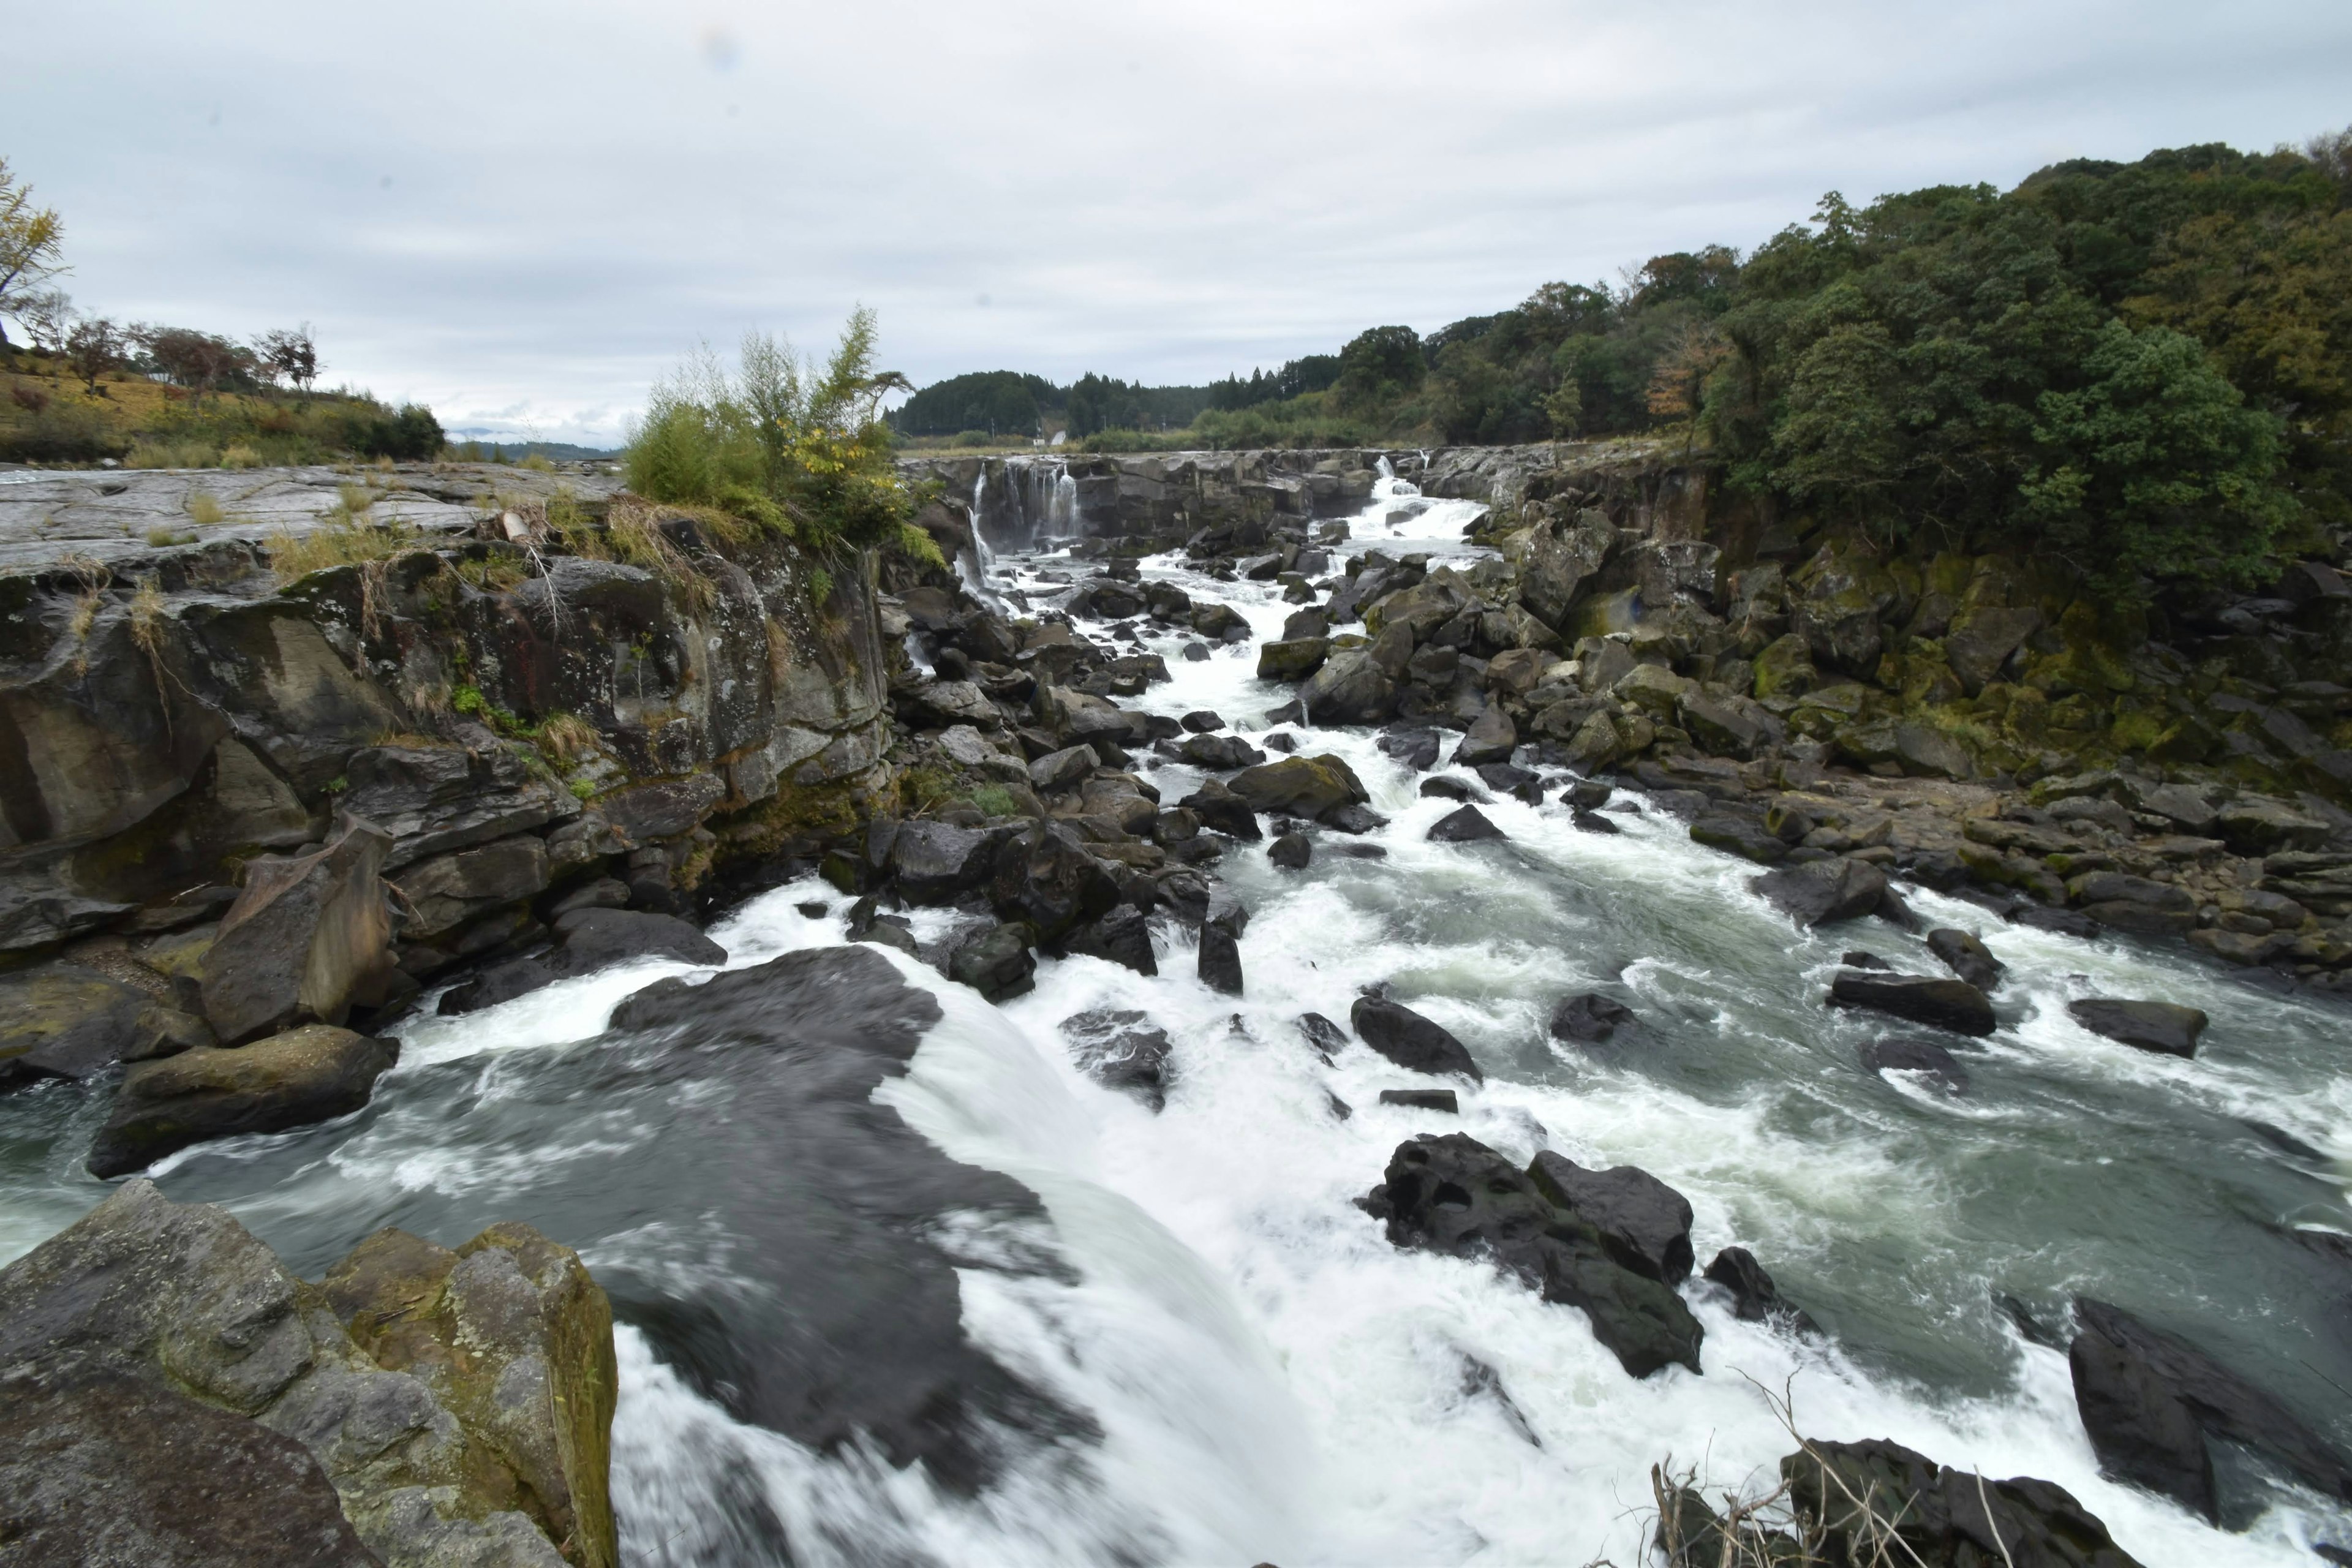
{"x": 522, "y": 212}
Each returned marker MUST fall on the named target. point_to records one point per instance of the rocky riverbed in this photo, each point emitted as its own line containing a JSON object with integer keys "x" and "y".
{"x": 1312, "y": 1007}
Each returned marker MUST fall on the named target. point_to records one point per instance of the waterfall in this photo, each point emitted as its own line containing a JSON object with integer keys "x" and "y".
{"x": 1021, "y": 503}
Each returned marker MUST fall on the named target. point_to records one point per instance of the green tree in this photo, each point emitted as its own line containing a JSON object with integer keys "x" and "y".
{"x": 2156, "y": 467}
{"x": 31, "y": 239}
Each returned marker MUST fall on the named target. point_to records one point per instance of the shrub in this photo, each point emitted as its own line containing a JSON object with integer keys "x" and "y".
{"x": 203, "y": 508}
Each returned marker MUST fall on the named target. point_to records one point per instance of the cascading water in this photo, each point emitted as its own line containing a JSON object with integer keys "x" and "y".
{"x": 1026, "y": 503}
{"x": 1239, "y": 1366}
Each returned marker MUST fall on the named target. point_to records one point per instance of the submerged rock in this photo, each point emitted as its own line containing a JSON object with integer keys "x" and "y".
{"x": 1588, "y": 1017}
{"x": 1121, "y": 1050}
{"x": 586, "y": 941}
{"x": 1466, "y": 826}
{"x": 1410, "y": 1040}
{"x": 1754, "y": 1298}
{"x": 2152, "y": 1402}
{"x": 1917, "y": 1055}
{"x": 1453, "y": 1194}
{"x": 1291, "y": 852}
{"x": 996, "y": 963}
{"x": 1443, "y": 1099}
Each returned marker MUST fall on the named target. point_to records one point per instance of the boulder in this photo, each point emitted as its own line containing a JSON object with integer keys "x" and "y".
{"x": 1925, "y": 1057}
{"x": 1453, "y": 1196}
{"x": 1216, "y": 753}
{"x": 181, "y": 1298}
{"x": 1220, "y": 967}
{"x": 1953, "y": 1004}
{"x": 64, "y": 1021}
{"x": 587, "y": 940}
{"x": 996, "y": 963}
{"x": 1742, "y": 833}
{"x": 1410, "y": 1040}
{"x": 2150, "y": 1026}
{"x": 1444, "y": 788}
{"x": 1877, "y": 1500}
{"x": 1491, "y": 738}
{"x": 448, "y": 890}
{"x": 1444, "y": 1099}
{"x": 1351, "y": 688}
{"x": 1721, "y": 728}
{"x": 1291, "y": 852}
{"x": 1967, "y": 957}
{"x": 1062, "y": 769}
{"x": 1121, "y": 1050}
{"x": 965, "y": 746}
{"x": 304, "y": 1076}
{"x": 1823, "y": 893}
{"x": 514, "y": 1339}
{"x": 2256, "y": 825}
{"x": 1466, "y": 826}
{"x": 1588, "y": 1018}
{"x": 1219, "y": 807}
{"x": 1981, "y": 642}
{"x": 1643, "y": 1223}
{"x": 114, "y": 1470}
{"x": 2153, "y": 1403}
{"x": 1045, "y": 880}
{"x": 1293, "y": 659}
{"x": 1321, "y": 1033}
{"x": 308, "y": 938}
{"x": 1302, "y": 786}
{"x": 1122, "y": 937}
{"x": 1754, "y": 1298}
{"x": 933, "y": 861}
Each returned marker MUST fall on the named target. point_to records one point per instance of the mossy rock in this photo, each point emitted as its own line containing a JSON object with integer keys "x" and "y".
{"x": 1785, "y": 668}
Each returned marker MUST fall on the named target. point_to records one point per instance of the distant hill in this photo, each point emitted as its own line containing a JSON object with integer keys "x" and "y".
{"x": 553, "y": 451}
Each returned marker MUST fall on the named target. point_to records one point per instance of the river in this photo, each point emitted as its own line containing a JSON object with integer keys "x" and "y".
{"x": 1262, "y": 1378}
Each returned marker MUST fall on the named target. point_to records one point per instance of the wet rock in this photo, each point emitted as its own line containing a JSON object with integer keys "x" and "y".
{"x": 1045, "y": 880}
{"x": 1442, "y": 788}
{"x": 1303, "y": 786}
{"x": 1121, "y": 1050}
{"x": 1410, "y": 1040}
{"x": 1321, "y": 1033}
{"x": 996, "y": 963}
{"x": 112, "y": 1469}
{"x": 1220, "y": 967}
{"x": 446, "y": 892}
{"x": 1194, "y": 652}
{"x": 887, "y": 932}
{"x": 1218, "y": 753}
{"x": 1349, "y": 688}
{"x": 1953, "y": 1004}
{"x": 1294, "y": 659}
{"x": 586, "y": 941}
{"x": 1291, "y": 852}
{"x": 2255, "y": 825}
{"x": 1588, "y": 794}
{"x": 1588, "y": 1018}
{"x": 2152, "y": 1402}
{"x": 1592, "y": 822}
{"x": 1353, "y": 819}
{"x": 1934, "y": 1516}
{"x": 1491, "y": 738}
{"x": 1281, "y": 741}
{"x": 1466, "y": 826}
{"x": 1219, "y": 807}
{"x": 1219, "y": 622}
{"x": 1742, "y": 834}
{"x": 2150, "y": 1026}
{"x": 309, "y": 937}
{"x": 1723, "y": 729}
{"x": 932, "y": 861}
{"x": 1416, "y": 748}
{"x": 2066, "y": 922}
{"x": 1858, "y": 959}
{"x": 1823, "y": 893}
{"x": 1061, "y": 770}
{"x": 1924, "y": 1056}
{"x": 1754, "y": 1298}
{"x": 1122, "y": 937}
{"x": 1967, "y": 957}
{"x": 1451, "y": 1194}
{"x": 1643, "y": 1223}
{"x": 1201, "y": 722}
{"x": 293, "y": 1080}
{"x": 64, "y": 1021}
{"x": 1443, "y": 1099}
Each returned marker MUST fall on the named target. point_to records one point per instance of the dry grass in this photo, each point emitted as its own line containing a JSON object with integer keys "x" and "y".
{"x": 203, "y": 508}
{"x": 95, "y": 577}
{"x": 340, "y": 540}
{"x": 240, "y": 456}
{"x": 567, "y": 739}
{"x": 195, "y": 453}
{"x": 537, "y": 464}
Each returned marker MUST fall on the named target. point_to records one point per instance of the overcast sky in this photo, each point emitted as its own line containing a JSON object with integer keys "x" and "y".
{"x": 521, "y": 214}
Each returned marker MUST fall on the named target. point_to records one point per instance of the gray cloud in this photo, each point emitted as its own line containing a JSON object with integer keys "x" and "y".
{"x": 523, "y": 214}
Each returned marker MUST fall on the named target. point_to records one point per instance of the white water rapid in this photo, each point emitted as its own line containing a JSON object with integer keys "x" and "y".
{"x": 1265, "y": 1378}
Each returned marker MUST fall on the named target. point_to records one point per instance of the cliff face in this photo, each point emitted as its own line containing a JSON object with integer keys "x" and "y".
{"x": 524, "y": 715}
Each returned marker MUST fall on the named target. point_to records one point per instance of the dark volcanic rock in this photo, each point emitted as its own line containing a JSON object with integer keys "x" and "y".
{"x": 309, "y": 937}
{"x": 1045, "y": 880}
{"x": 1222, "y": 809}
{"x": 996, "y": 963}
{"x": 64, "y": 1021}
{"x": 843, "y": 1206}
{"x": 1592, "y": 822}
{"x": 1942, "y": 1518}
{"x": 112, "y": 1470}
{"x": 1917, "y": 1055}
{"x": 1467, "y": 826}
{"x": 1953, "y": 1004}
{"x": 1588, "y": 1017}
{"x": 1416, "y": 748}
{"x": 1825, "y": 891}
{"x": 1739, "y": 833}
{"x": 933, "y": 862}
{"x": 293, "y": 1080}
{"x": 1442, "y": 788}
{"x": 1325, "y": 1035}
{"x": 1303, "y": 786}
{"x": 1967, "y": 957}
{"x": 1123, "y": 937}
{"x": 587, "y": 940}
{"x": 1454, "y": 1196}
{"x": 2152, "y": 1402}
{"x": 1423, "y": 1099}
{"x": 1754, "y": 1298}
{"x": 1644, "y": 1223}
{"x": 1410, "y": 1040}
{"x": 1291, "y": 852}
{"x": 1121, "y": 1050}
{"x": 2150, "y": 1026}
{"x": 1220, "y": 959}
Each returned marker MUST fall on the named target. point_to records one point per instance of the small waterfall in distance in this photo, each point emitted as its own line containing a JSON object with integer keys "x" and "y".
{"x": 1021, "y": 503}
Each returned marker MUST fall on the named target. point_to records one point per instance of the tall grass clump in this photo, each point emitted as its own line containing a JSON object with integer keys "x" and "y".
{"x": 794, "y": 449}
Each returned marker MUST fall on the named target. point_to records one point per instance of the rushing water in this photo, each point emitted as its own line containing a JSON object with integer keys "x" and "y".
{"x": 1267, "y": 1378}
